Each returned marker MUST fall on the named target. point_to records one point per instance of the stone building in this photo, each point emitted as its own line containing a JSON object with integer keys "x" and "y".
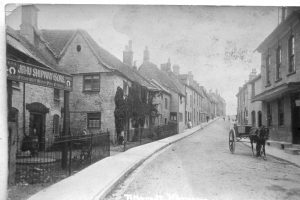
{"x": 249, "y": 112}
{"x": 38, "y": 85}
{"x": 167, "y": 79}
{"x": 280, "y": 66}
{"x": 194, "y": 99}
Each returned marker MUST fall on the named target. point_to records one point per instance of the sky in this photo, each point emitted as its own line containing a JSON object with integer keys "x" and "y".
{"x": 216, "y": 43}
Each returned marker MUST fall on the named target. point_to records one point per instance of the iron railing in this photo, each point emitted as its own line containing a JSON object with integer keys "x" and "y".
{"x": 51, "y": 161}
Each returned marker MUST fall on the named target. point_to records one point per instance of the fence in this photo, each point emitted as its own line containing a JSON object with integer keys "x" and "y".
{"x": 140, "y": 135}
{"x": 59, "y": 158}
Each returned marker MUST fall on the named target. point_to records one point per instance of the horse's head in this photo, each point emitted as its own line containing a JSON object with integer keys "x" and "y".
{"x": 263, "y": 133}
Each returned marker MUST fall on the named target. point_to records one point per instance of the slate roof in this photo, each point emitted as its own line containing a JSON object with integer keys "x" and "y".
{"x": 150, "y": 71}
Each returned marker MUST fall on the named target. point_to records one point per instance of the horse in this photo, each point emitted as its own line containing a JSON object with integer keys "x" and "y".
{"x": 259, "y": 136}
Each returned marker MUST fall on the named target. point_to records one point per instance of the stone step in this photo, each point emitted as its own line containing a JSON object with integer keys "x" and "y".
{"x": 293, "y": 151}
{"x": 297, "y": 146}
{"x": 279, "y": 144}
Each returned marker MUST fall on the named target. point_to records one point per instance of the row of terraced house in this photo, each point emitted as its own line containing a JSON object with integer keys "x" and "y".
{"x": 72, "y": 59}
{"x": 272, "y": 98}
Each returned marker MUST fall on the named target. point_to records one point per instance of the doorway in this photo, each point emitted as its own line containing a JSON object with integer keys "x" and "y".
{"x": 295, "y": 118}
{"x": 37, "y": 128}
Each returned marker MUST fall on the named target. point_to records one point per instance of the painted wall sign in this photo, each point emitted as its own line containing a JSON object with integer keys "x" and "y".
{"x": 23, "y": 72}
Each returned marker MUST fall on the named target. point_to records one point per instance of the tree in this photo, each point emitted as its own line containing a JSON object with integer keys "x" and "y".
{"x": 120, "y": 112}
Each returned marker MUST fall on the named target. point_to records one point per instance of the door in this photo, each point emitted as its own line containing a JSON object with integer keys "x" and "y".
{"x": 296, "y": 119}
{"x": 37, "y": 128}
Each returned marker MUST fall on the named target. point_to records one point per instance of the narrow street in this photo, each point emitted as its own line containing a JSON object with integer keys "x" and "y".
{"x": 202, "y": 167}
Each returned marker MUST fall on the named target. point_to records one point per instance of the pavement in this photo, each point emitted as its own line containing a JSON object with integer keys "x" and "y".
{"x": 279, "y": 154}
{"x": 99, "y": 179}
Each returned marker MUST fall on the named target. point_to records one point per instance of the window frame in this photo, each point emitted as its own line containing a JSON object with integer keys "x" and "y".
{"x": 93, "y": 89}
{"x": 268, "y": 69}
{"x": 291, "y": 54}
{"x": 93, "y": 116}
{"x": 278, "y": 62}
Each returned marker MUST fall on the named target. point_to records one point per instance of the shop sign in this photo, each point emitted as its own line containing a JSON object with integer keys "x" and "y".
{"x": 23, "y": 72}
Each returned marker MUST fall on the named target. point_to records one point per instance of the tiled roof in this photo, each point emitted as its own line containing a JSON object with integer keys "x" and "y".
{"x": 18, "y": 42}
{"x": 58, "y": 40}
{"x": 150, "y": 71}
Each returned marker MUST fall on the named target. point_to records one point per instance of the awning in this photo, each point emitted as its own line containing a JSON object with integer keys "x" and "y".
{"x": 278, "y": 91}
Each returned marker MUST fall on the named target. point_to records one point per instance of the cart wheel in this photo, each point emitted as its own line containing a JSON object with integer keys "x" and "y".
{"x": 232, "y": 139}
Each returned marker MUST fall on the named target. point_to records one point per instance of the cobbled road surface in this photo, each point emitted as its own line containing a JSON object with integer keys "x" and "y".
{"x": 202, "y": 167}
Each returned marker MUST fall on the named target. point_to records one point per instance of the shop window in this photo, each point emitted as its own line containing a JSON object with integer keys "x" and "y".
{"x": 91, "y": 83}
{"x": 280, "y": 112}
{"x": 56, "y": 125}
{"x": 56, "y": 94}
{"x": 94, "y": 120}
{"x": 291, "y": 54}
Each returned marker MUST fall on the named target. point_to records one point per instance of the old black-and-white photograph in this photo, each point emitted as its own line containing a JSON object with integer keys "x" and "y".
{"x": 152, "y": 102}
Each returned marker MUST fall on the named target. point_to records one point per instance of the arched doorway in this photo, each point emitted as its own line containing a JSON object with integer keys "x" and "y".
{"x": 259, "y": 118}
{"x": 37, "y": 119}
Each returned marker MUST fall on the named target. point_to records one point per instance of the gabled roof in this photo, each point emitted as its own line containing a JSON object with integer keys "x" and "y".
{"x": 59, "y": 40}
{"x": 150, "y": 71}
{"x": 14, "y": 39}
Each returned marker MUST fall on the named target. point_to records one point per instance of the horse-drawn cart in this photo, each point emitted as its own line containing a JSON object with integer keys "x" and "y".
{"x": 257, "y": 135}
{"x": 236, "y": 133}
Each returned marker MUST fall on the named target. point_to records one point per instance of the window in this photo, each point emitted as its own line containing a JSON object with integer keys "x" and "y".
{"x": 91, "y": 83}
{"x": 278, "y": 63}
{"x": 280, "y": 112}
{"x": 191, "y": 100}
{"x": 56, "y": 94}
{"x": 291, "y": 54}
{"x": 166, "y": 120}
{"x": 253, "y": 118}
{"x": 268, "y": 69}
{"x": 166, "y": 103}
{"x": 173, "y": 116}
{"x": 180, "y": 99}
{"x": 78, "y": 48}
{"x": 269, "y": 114}
{"x": 56, "y": 125}
{"x": 125, "y": 88}
{"x": 94, "y": 120}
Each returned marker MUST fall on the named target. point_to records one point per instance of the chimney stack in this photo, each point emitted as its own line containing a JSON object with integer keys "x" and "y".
{"x": 29, "y": 22}
{"x": 166, "y": 66}
{"x": 128, "y": 54}
{"x": 252, "y": 75}
{"x": 190, "y": 76}
{"x": 146, "y": 55}
{"x": 176, "y": 69}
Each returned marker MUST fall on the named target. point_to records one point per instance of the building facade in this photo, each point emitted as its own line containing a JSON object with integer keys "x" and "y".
{"x": 280, "y": 66}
